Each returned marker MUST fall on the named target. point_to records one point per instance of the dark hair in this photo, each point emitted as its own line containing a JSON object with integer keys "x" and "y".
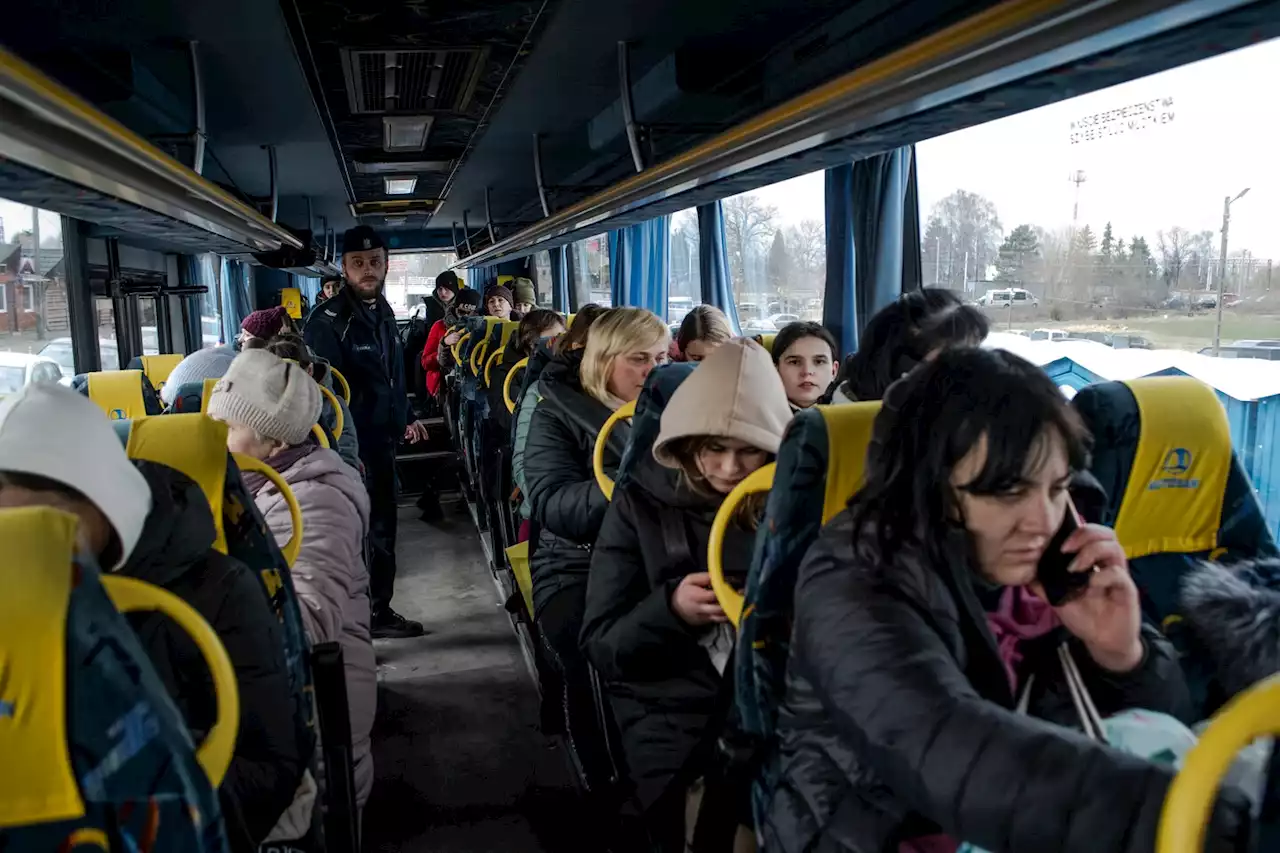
{"x": 793, "y": 332}
{"x": 901, "y": 335}
{"x": 931, "y": 420}
{"x": 703, "y": 323}
{"x": 532, "y": 327}
{"x": 576, "y": 337}
{"x": 290, "y": 347}
{"x": 685, "y": 450}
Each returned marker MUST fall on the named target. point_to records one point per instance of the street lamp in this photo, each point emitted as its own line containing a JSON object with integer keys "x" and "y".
{"x": 1222, "y": 264}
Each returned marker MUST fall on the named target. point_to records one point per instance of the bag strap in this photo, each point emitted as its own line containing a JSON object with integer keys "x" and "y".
{"x": 1086, "y": 710}
{"x": 675, "y": 536}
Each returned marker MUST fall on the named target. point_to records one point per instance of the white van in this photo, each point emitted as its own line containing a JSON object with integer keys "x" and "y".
{"x": 1008, "y": 298}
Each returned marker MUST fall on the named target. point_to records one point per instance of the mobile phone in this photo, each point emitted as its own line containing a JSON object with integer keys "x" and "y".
{"x": 1059, "y": 584}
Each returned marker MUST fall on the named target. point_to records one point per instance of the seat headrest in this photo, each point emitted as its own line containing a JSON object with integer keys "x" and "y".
{"x": 121, "y": 394}
{"x": 766, "y": 341}
{"x": 848, "y": 435}
{"x": 156, "y": 367}
{"x": 658, "y": 390}
{"x": 1162, "y": 450}
{"x": 194, "y": 445}
{"x": 37, "y": 576}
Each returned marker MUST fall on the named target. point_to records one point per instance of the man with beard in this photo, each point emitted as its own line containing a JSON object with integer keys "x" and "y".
{"x": 356, "y": 332}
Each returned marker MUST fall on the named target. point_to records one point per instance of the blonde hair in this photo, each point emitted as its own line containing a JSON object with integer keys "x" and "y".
{"x": 704, "y": 323}
{"x": 748, "y": 513}
{"x": 618, "y": 331}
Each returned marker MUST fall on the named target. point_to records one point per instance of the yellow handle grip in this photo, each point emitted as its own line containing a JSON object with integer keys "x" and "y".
{"x": 477, "y": 356}
{"x": 321, "y": 438}
{"x": 1189, "y": 803}
{"x": 457, "y": 348}
{"x": 337, "y": 410}
{"x": 760, "y": 480}
{"x": 294, "y": 545}
{"x": 491, "y": 361}
{"x": 626, "y": 410}
{"x": 130, "y": 595}
{"x": 346, "y": 386}
{"x": 506, "y": 386}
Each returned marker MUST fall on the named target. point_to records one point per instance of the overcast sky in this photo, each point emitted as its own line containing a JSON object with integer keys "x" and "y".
{"x": 1224, "y": 136}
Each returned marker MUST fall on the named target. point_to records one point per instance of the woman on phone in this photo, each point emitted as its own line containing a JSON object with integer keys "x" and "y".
{"x": 920, "y": 623}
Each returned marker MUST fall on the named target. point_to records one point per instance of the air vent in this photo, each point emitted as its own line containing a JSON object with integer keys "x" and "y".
{"x": 411, "y": 81}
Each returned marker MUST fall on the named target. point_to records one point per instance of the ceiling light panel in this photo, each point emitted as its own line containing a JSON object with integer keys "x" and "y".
{"x": 400, "y": 186}
{"x": 405, "y": 133}
{"x": 401, "y": 167}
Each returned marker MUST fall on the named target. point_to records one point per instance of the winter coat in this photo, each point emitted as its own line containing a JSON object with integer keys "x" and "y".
{"x": 363, "y": 342}
{"x": 329, "y": 574}
{"x": 566, "y": 504}
{"x": 526, "y": 402}
{"x": 349, "y": 442}
{"x": 666, "y": 695}
{"x": 431, "y": 357}
{"x": 898, "y": 721}
{"x": 176, "y": 553}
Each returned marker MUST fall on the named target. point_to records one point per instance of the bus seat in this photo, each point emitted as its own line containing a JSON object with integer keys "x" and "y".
{"x": 192, "y": 397}
{"x": 291, "y": 299}
{"x": 64, "y": 786}
{"x": 196, "y": 446}
{"x": 819, "y": 467}
{"x": 765, "y": 341}
{"x": 496, "y": 334}
{"x": 1176, "y": 492}
{"x": 568, "y": 321}
{"x": 658, "y": 390}
{"x": 506, "y": 384}
{"x": 157, "y": 367}
{"x": 341, "y": 380}
{"x": 518, "y": 558}
{"x": 122, "y": 394}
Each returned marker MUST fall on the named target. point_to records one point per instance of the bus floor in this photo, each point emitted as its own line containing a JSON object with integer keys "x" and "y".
{"x": 460, "y": 764}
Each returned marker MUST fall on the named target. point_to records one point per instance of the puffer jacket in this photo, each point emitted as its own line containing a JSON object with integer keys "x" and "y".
{"x": 329, "y": 574}
{"x": 349, "y": 442}
{"x": 566, "y": 504}
{"x": 666, "y": 695}
{"x": 526, "y": 402}
{"x": 176, "y": 552}
{"x": 899, "y": 722}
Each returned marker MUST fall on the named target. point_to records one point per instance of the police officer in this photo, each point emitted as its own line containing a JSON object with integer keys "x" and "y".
{"x": 356, "y": 332}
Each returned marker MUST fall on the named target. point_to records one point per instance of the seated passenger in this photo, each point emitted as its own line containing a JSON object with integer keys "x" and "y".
{"x": 919, "y": 624}
{"x": 915, "y": 328}
{"x": 261, "y": 326}
{"x": 437, "y": 359}
{"x": 576, "y": 394}
{"x": 806, "y": 356}
{"x": 210, "y": 363}
{"x": 526, "y": 298}
{"x": 701, "y": 331}
{"x": 498, "y": 302}
{"x": 653, "y": 628}
{"x": 538, "y": 325}
{"x": 293, "y": 348}
{"x": 269, "y": 406}
{"x": 150, "y": 522}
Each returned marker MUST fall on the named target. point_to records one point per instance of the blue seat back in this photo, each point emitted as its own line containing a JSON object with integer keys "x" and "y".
{"x": 658, "y": 388}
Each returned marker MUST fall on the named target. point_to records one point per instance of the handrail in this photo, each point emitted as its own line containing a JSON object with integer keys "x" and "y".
{"x": 625, "y": 411}
{"x": 1008, "y": 42}
{"x": 731, "y": 601}
{"x": 50, "y": 129}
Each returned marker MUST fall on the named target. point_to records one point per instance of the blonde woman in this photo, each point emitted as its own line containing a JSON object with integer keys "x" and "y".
{"x": 576, "y": 394}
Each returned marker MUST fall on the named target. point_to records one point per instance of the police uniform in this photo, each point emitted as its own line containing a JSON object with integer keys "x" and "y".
{"x": 362, "y": 341}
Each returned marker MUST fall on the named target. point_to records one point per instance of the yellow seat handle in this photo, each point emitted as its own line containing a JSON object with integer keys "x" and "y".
{"x": 294, "y": 545}
{"x": 337, "y": 410}
{"x": 1189, "y": 803}
{"x": 477, "y": 356}
{"x": 506, "y": 386}
{"x": 731, "y": 601}
{"x": 491, "y": 361}
{"x": 131, "y": 595}
{"x": 457, "y": 348}
{"x": 626, "y": 410}
{"x": 321, "y": 438}
{"x": 342, "y": 380}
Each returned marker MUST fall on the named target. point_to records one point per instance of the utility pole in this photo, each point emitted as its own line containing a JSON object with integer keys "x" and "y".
{"x": 1222, "y": 265}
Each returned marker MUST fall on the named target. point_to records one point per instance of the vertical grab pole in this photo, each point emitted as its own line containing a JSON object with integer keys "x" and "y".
{"x": 628, "y": 108}
{"x": 537, "y": 174}
{"x": 197, "y": 85}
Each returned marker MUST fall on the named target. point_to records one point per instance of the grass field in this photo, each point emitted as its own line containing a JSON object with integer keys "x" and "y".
{"x": 1168, "y": 331}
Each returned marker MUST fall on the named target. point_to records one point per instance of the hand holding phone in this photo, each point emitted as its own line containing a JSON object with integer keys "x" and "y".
{"x": 1061, "y": 585}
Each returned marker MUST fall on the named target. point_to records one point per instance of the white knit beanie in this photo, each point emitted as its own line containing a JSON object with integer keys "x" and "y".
{"x": 265, "y": 393}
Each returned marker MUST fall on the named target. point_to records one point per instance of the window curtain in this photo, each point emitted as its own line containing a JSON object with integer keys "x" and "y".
{"x": 237, "y": 303}
{"x": 639, "y": 262}
{"x": 713, "y": 262}
{"x": 194, "y": 273}
{"x": 873, "y": 240}
{"x": 309, "y": 287}
{"x": 560, "y": 279}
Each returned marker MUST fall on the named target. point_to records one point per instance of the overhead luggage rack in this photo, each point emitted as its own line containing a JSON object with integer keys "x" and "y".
{"x": 60, "y": 153}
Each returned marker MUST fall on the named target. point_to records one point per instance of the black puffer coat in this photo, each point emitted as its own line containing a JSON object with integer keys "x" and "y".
{"x": 898, "y": 723}
{"x": 566, "y": 503}
{"x": 176, "y": 552}
{"x": 666, "y": 694}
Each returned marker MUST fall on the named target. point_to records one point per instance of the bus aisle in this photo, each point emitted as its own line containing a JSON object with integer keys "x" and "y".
{"x": 460, "y": 764}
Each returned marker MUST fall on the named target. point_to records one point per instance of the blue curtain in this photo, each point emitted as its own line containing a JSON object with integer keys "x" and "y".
{"x": 713, "y": 262}
{"x": 560, "y": 279}
{"x": 873, "y": 240}
{"x": 309, "y": 287}
{"x": 639, "y": 261}
{"x": 237, "y": 303}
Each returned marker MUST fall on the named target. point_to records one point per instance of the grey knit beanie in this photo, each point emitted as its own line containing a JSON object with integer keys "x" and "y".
{"x": 265, "y": 393}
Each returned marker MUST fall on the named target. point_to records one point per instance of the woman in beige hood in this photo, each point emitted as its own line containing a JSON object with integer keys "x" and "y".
{"x": 653, "y": 628}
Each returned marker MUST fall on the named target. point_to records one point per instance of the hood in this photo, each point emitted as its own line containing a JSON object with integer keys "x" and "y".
{"x": 565, "y": 368}
{"x": 1234, "y": 611}
{"x": 53, "y": 432}
{"x": 311, "y": 463}
{"x": 179, "y": 531}
{"x": 735, "y": 393}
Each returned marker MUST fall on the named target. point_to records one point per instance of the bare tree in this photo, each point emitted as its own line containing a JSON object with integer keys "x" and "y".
{"x": 964, "y": 233}
{"x": 1175, "y": 247}
{"x": 748, "y": 226}
{"x": 808, "y": 244}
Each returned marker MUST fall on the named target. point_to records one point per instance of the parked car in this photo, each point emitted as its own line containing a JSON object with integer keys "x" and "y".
{"x": 1050, "y": 335}
{"x": 20, "y": 369}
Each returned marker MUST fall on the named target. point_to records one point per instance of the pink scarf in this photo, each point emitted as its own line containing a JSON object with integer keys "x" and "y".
{"x": 1019, "y": 617}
